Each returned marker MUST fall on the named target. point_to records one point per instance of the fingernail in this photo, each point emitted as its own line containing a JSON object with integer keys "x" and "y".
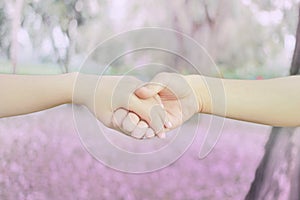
{"x": 162, "y": 135}
{"x": 169, "y": 124}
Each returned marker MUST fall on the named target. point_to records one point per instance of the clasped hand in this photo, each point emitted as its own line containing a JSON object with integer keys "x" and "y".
{"x": 141, "y": 110}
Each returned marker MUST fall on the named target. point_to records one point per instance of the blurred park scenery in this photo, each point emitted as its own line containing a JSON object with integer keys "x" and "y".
{"x": 246, "y": 38}
{"x": 41, "y": 156}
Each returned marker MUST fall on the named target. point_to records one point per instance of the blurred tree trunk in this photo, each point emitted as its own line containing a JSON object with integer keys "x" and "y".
{"x": 16, "y": 22}
{"x": 207, "y": 26}
{"x": 278, "y": 174}
{"x": 296, "y": 57}
{"x": 71, "y": 32}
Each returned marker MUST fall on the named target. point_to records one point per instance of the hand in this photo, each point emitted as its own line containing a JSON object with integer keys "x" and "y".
{"x": 104, "y": 95}
{"x": 177, "y": 96}
{"x": 131, "y": 124}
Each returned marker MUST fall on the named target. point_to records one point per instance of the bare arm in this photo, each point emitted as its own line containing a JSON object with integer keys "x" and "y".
{"x": 273, "y": 102}
{"x": 22, "y": 94}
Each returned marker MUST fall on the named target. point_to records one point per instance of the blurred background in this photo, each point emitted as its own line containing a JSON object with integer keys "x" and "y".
{"x": 41, "y": 156}
{"x": 246, "y": 38}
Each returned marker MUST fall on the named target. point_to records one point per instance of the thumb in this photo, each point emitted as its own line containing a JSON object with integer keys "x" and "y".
{"x": 149, "y": 90}
{"x": 157, "y": 84}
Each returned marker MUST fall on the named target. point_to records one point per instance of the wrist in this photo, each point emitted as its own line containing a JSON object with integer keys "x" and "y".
{"x": 81, "y": 87}
{"x": 201, "y": 92}
{"x": 62, "y": 85}
{"x": 69, "y": 80}
{"x": 86, "y": 86}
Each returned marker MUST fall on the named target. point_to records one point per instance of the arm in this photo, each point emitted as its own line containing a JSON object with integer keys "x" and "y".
{"x": 23, "y": 94}
{"x": 105, "y": 95}
{"x": 274, "y": 102}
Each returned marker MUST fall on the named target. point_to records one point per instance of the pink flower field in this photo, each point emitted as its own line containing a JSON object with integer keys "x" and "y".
{"x": 42, "y": 157}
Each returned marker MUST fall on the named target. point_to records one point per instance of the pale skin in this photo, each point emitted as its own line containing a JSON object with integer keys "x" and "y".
{"x": 23, "y": 94}
{"x": 274, "y": 102}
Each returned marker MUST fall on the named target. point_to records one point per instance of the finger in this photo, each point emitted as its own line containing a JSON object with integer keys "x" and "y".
{"x": 149, "y": 133}
{"x": 149, "y": 90}
{"x": 145, "y": 109}
{"x": 157, "y": 84}
{"x": 118, "y": 117}
{"x": 140, "y": 130}
{"x": 130, "y": 122}
{"x": 157, "y": 115}
{"x": 158, "y": 100}
{"x": 162, "y": 135}
{"x": 150, "y": 111}
{"x": 167, "y": 123}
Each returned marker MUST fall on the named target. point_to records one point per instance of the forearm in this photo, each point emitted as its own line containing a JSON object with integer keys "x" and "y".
{"x": 22, "y": 94}
{"x": 88, "y": 84}
{"x": 273, "y": 102}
